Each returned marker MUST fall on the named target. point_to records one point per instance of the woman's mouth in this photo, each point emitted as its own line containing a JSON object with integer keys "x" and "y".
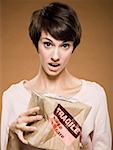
{"x": 53, "y": 66}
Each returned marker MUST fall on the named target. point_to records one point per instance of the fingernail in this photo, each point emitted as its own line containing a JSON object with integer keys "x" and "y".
{"x": 38, "y": 107}
{"x": 40, "y": 116}
{"x": 25, "y": 141}
{"x": 34, "y": 128}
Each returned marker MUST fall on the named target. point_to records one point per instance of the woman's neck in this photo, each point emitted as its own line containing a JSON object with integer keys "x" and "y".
{"x": 53, "y": 83}
{"x": 64, "y": 83}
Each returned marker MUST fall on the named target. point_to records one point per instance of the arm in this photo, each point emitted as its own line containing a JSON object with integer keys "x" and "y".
{"x": 102, "y": 132}
{"x": 16, "y": 124}
{"x": 5, "y": 118}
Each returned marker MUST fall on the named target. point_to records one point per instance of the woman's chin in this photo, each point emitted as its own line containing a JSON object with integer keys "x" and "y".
{"x": 54, "y": 73}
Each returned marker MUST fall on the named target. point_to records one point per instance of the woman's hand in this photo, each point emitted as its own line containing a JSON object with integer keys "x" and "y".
{"x": 20, "y": 125}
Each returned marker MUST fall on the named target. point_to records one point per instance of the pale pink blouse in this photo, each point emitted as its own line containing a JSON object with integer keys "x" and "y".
{"x": 16, "y": 99}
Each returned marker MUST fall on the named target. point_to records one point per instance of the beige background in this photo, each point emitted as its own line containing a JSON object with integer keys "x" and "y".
{"x": 92, "y": 60}
{"x": 0, "y": 46}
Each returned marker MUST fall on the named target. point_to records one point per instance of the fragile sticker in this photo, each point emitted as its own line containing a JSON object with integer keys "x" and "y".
{"x": 64, "y": 125}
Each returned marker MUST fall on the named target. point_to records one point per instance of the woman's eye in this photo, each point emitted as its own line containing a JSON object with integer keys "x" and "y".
{"x": 65, "y": 46}
{"x": 47, "y": 44}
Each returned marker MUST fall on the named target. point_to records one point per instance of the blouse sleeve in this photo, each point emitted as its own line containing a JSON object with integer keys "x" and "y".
{"x": 5, "y": 119}
{"x": 102, "y": 131}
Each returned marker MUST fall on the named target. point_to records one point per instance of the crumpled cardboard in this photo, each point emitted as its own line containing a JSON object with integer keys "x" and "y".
{"x": 61, "y": 125}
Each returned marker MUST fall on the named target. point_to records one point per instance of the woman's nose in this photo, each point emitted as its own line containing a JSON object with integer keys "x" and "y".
{"x": 55, "y": 56}
{"x": 55, "y": 60}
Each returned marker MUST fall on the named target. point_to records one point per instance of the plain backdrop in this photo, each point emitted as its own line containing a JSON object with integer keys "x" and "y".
{"x": 92, "y": 60}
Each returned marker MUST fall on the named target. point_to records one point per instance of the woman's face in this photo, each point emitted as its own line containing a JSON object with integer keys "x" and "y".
{"x": 54, "y": 55}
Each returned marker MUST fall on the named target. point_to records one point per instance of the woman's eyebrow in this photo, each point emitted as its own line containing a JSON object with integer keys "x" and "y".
{"x": 47, "y": 39}
{"x": 62, "y": 42}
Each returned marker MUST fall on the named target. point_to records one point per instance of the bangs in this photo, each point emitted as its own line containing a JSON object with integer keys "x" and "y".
{"x": 58, "y": 29}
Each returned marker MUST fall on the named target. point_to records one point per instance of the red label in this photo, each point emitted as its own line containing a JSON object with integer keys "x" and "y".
{"x": 64, "y": 125}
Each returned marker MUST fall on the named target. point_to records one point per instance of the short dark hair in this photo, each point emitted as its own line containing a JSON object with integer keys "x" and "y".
{"x": 57, "y": 19}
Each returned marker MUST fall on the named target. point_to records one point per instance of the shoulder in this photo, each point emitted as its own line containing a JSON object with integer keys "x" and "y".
{"x": 93, "y": 87}
{"x": 93, "y": 92}
{"x": 16, "y": 90}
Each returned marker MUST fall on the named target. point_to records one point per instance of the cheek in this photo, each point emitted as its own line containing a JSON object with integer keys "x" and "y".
{"x": 43, "y": 58}
{"x": 43, "y": 54}
{"x": 67, "y": 58}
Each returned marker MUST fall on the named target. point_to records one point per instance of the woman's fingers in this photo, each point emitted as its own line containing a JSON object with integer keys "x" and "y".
{"x": 25, "y": 128}
{"x": 28, "y": 119}
{"x": 21, "y": 137}
{"x": 31, "y": 111}
{"x": 20, "y": 125}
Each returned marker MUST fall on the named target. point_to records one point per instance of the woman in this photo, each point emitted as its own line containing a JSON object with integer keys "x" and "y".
{"x": 55, "y": 31}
